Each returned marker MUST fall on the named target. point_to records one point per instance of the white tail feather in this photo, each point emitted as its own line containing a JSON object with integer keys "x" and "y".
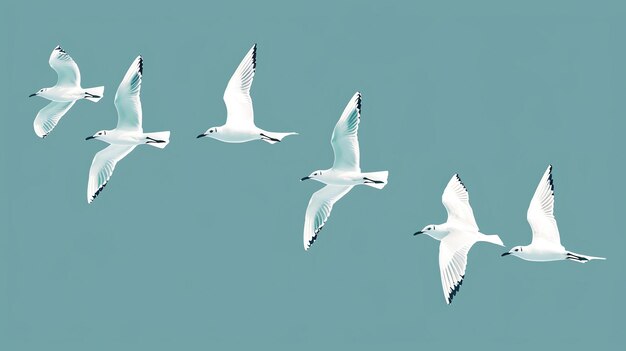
{"x": 94, "y": 94}
{"x": 494, "y": 239}
{"x": 376, "y": 180}
{"x": 581, "y": 258}
{"x": 162, "y": 139}
{"x": 273, "y": 138}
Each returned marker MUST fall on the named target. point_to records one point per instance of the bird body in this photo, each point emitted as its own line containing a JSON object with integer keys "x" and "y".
{"x": 343, "y": 176}
{"x": 457, "y": 236}
{"x": 240, "y": 126}
{"x": 64, "y": 94}
{"x": 546, "y": 243}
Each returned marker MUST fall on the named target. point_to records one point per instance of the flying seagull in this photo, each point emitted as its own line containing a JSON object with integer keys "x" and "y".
{"x": 457, "y": 236}
{"x": 126, "y": 136}
{"x": 240, "y": 127}
{"x": 343, "y": 176}
{"x": 64, "y": 94}
{"x": 546, "y": 243}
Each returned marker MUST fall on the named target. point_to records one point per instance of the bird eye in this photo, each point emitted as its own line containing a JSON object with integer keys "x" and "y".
{"x": 211, "y": 131}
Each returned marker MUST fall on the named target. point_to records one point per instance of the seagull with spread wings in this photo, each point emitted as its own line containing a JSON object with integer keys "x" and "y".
{"x": 126, "y": 136}
{"x": 456, "y": 236}
{"x": 240, "y": 127}
{"x": 64, "y": 94}
{"x": 343, "y": 176}
{"x": 546, "y": 243}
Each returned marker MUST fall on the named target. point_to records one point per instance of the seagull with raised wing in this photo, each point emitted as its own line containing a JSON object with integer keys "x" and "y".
{"x": 343, "y": 176}
{"x": 126, "y": 136}
{"x": 456, "y": 236}
{"x": 240, "y": 127}
{"x": 546, "y": 242}
{"x": 64, "y": 94}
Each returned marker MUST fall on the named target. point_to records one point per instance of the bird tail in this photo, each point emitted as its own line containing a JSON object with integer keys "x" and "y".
{"x": 274, "y": 138}
{"x": 158, "y": 139}
{"x": 376, "y": 180}
{"x": 581, "y": 258}
{"x": 494, "y": 239}
{"x": 94, "y": 94}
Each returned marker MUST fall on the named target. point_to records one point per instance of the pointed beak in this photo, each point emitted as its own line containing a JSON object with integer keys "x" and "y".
{"x": 305, "y": 178}
{"x": 201, "y": 136}
{"x": 418, "y": 233}
{"x": 505, "y": 254}
{"x": 90, "y": 137}
{"x": 31, "y": 95}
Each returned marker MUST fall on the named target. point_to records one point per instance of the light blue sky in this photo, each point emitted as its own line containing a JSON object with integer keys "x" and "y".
{"x": 199, "y": 246}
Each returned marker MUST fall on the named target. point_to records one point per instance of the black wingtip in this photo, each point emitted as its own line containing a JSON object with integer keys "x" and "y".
{"x": 254, "y": 56}
{"x": 140, "y": 64}
{"x": 359, "y": 99}
{"x": 550, "y": 179}
{"x": 59, "y": 48}
{"x": 455, "y": 290}
{"x": 458, "y": 178}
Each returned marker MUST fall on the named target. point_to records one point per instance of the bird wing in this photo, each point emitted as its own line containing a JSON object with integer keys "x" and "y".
{"x": 67, "y": 70}
{"x": 102, "y": 168}
{"x": 48, "y": 117}
{"x": 540, "y": 213}
{"x": 453, "y": 251}
{"x": 237, "y": 94}
{"x": 456, "y": 200}
{"x": 127, "y": 99}
{"x": 345, "y": 140}
{"x": 318, "y": 210}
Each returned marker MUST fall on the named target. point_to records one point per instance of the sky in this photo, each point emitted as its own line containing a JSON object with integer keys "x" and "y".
{"x": 199, "y": 246}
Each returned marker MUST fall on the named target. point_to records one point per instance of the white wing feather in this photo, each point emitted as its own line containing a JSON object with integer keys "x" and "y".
{"x": 540, "y": 213}
{"x": 127, "y": 98}
{"x": 48, "y": 117}
{"x": 67, "y": 70}
{"x": 345, "y": 140}
{"x": 456, "y": 200}
{"x": 453, "y": 251}
{"x": 318, "y": 210}
{"x": 237, "y": 94}
{"x": 102, "y": 168}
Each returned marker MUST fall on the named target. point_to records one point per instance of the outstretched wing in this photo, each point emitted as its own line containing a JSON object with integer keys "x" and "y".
{"x": 345, "y": 140}
{"x": 127, "y": 101}
{"x": 540, "y": 213}
{"x": 456, "y": 200}
{"x": 49, "y": 116}
{"x": 237, "y": 94}
{"x": 319, "y": 208}
{"x": 67, "y": 70}
{"x": 453, "y": 251}
{"x": 102, "y": 168}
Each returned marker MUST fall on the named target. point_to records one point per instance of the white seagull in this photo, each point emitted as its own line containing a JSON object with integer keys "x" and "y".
{"x": 343, "y": 176}
{"x": 64, "y": 94}
{"x": 240, "y": 127}
{"x": 126, "y": 136}
{"x": 457, "y": 236}
{"x": 546, "y": 243}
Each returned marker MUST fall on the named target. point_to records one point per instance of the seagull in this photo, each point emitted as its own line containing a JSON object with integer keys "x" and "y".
{"x": 240, "y": 127}
{"x": 343, "y": 176}
{"x": 64, "y": 94}
{"x": 126, "y": 136}
{"x": 457, "y": 236}
{"x": 546, "y": 243}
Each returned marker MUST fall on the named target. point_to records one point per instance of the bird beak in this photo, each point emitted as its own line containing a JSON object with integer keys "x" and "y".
{"x": 418, "y": 233}
{"x": 201, "y": 136}
{"x": 305, "y": 178}
{"x": 505, "y": 254}
{"x": 90, "y": 137}
{"x": 31, "y": 95}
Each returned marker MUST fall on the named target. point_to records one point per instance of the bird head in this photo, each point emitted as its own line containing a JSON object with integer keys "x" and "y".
{"x": 211, "y": 132}
{"x": 314, "y": 175}
{"x": 516, "y": 251}
{"x": 98, "y": 135}
{"x": 41, "y": 92}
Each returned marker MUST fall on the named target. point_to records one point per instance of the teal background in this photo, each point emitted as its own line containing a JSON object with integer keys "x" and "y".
{"x": 199, "y": 246}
